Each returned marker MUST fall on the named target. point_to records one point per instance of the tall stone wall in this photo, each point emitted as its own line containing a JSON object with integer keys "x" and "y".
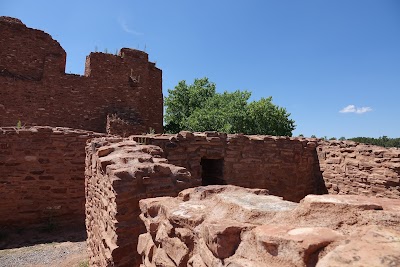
{"x": 42, "y": 176}
{"x": 285, "y": 166}
{"x": 119, "y": 173}
{"x": 27, "y": 53}
{"x": 35, "y": 90}
{"x": 359, "y": 169}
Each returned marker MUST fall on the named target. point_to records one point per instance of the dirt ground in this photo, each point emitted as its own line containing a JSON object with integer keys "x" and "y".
{"x": 43, "y": 247}
{"x": 64, "y": 254}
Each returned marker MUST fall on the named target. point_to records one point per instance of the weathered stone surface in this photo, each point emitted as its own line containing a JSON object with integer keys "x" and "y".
{"x": 232, "y": 226}
{"x": 374, "y": 246}
{"x": 120, "y": 172}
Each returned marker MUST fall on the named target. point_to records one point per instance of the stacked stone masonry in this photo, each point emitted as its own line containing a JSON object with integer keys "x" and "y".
{"x": 119, "y": 173}
{"x": 359, "y": 169}
{"x": 233, "y": 226}
{"x": 285, "y": 166}
{"x": 123, "y": 89}
{"x": 42, "y": 176}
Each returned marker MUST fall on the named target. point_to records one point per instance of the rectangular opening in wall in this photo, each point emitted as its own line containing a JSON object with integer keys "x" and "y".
{"x": 212, "y": 171}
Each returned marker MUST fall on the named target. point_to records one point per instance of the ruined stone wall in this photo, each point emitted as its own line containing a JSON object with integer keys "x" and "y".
{"x": 285, "y": 166}
{"x": 26, "y": 53}
{"x": 122, "y": 171}
{"x": 35, "y": 90}
{"x": 288, "y": 167}
{"x": 118, "y": 174}
{"x": 353, "y": 168}
{"x": 42, "y": 176}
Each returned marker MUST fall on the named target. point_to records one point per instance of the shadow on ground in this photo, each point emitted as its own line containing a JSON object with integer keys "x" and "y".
{"x": 14, "y": 237}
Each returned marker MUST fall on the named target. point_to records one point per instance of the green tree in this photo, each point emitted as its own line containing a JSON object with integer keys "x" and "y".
{"x": 198, "y": 107}
{"x": 266, "y": 118}
{"x": 224, "y": 112}
{"x": 184, "y": 100}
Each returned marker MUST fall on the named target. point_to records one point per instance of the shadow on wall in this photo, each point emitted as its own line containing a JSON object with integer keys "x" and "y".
{"x": 212, "y": 172}
{"x": 319, "y": 182}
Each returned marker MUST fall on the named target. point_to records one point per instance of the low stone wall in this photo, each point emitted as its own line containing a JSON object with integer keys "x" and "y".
{"x": 288, "y": 167}
{"x": 285, "y": 166}
{"x": 353, "y": 168}
{"x": 42, "y": 176}
{"x": 232, "y": 226}
{"x": 120, "y": 172}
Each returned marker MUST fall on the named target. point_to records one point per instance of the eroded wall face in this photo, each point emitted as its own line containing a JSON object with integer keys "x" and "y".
{"x": 42, "y": 176}
{"x": 35, "y": 90}
{"x": 352, "y": 168}
{"x": 119, "y": 173}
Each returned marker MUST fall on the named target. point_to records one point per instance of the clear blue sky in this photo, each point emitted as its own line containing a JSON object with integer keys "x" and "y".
{"x": 315, "y": 58}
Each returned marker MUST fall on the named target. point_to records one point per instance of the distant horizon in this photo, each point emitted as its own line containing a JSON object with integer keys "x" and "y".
{"x": 333, "y": 65}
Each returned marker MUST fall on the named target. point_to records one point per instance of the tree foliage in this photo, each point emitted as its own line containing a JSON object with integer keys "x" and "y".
{"x": 198, "y": 107}
{"x": 381, "y": 141}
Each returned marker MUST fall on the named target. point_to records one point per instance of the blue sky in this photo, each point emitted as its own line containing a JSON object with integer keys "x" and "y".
{"x": 334, "y": 65}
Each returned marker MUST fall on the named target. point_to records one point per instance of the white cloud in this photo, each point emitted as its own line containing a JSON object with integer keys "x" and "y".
{"x": 354, "y": 109}
{"x": 126, "y": 28}
{"x": 363, "y": 110}
{"x": 348, "y": 109}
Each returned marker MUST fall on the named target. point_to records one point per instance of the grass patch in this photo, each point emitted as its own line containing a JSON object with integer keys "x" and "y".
{"x": 84, "y": 263}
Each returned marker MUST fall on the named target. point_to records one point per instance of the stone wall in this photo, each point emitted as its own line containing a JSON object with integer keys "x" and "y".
{"x": 288, "y": 167}
{"x": 285, "y": 166}
{"x": 353, "y": 168}
{"x": 120, "y": 172}
{"x": 35, "y": 90}
{"x": 42, "y": 176}
{"x": 233, "y": 226}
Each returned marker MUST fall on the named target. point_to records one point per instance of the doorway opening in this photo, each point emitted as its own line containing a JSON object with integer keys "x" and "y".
{"x": 212, "y": 171}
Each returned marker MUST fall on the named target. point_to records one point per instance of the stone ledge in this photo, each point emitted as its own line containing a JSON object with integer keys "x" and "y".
{"x": 233, "y": 226}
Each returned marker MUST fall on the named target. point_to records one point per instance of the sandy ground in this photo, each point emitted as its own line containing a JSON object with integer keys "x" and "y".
{"x": 64, "y": 254}
{"x": 43, "y": 247}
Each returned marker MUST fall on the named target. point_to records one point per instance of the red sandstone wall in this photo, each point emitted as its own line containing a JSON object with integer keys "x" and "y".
{"x": 26, "y": 52}
{"x": 353, "y": 168}
{"x": 118, "y": 174}
{"x": 285, "y": 166}
{"x": 42, "y": 176}
{"x": 35, "y": 90}
{"x": 288, "y": 167}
